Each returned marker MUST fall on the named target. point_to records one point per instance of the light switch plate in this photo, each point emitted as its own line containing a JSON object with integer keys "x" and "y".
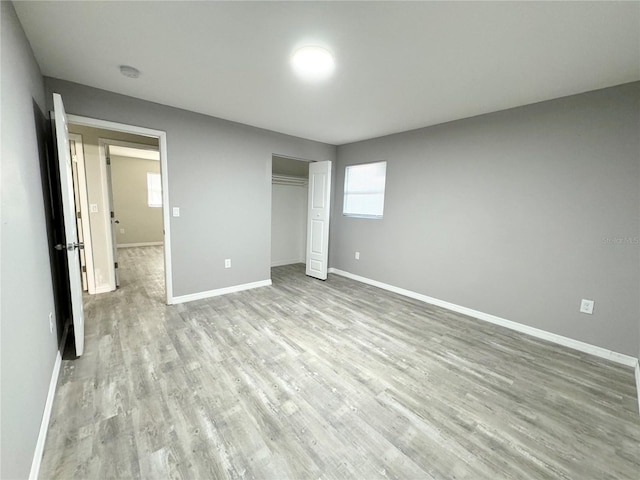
{"x": 176, "y": 211}
{"x": 586, "y": 306}
{"x": 93, "y": 207}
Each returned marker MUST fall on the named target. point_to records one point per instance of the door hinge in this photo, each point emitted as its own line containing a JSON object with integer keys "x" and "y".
{"x": 84, "y": 269}
{"x": 115, "y": 264}
{"x": 108, "y": 160}
{"x": 78, "y": 214}
{"x": 113, "y": 215}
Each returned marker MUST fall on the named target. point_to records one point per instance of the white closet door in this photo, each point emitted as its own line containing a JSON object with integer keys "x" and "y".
{"x": 318, "y": 219}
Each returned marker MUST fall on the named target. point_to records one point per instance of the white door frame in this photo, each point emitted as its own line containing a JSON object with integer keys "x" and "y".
{"x": 162, "y": 146}
{"x": 107, "y": 190}
{"x": 84, "y": 211}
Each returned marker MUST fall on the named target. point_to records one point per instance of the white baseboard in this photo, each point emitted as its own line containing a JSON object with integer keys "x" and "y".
{"x": 638, "y": 381}
{"x": 220, "y": 291}
{"x": 287, "y": 262}
{"x": 142, "y": 244}
{"x": 616, "y": 357}
{"x": 48, "y": 407}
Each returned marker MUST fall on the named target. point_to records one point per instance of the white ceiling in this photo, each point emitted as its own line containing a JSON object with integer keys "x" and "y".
{"x": 399, "y": 65}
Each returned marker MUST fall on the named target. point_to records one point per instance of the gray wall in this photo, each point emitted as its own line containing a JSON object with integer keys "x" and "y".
{"x": 519, "y": 214}
{"x": 139, "y": 223}
{"x": 28, "y": 349}
{"x": 219, "y": 176}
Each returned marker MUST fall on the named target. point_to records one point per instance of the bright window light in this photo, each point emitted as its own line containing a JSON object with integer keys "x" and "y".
{"x": 364, "y": 190}
{"x": 313, "y": 63}
{"x": 154, "y": 190}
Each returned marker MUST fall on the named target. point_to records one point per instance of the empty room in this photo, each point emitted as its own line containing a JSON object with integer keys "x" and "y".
{"x": 302, "y": 240}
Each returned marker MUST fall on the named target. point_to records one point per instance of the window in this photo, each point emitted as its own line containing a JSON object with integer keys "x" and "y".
{"x": 154, "y": 190}
{"x": 364, "y": 190}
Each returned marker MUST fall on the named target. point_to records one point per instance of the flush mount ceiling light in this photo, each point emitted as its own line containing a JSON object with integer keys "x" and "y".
{"x": 312, "y": 63}
{"x": 129, "y": 71}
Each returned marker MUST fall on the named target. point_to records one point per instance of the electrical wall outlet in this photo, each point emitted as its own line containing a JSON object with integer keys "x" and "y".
{"x": 586, "y": 306}
{"x": 50, "y": 322}
{"x": 122, "y": 230}
{"x": 357, "y": 255}
{"x": 227, "y": 263}
{"x": 93, "y": 208}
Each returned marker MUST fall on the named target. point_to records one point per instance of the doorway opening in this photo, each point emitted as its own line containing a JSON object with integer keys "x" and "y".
{"x": 289, "y": 193}
{"x": 300, "y": 213}
{"x": 135, "y": 201}
{"x": 125, "y": 204}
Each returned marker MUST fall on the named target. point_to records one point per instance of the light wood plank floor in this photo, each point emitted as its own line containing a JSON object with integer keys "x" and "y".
{"x": 333, "y": 380}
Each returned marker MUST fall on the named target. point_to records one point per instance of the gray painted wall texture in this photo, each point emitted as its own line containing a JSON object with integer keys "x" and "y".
{"x": 219, "y": 176}
{"x": 519, "y": 213}
{"x": 28, "y": 349}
